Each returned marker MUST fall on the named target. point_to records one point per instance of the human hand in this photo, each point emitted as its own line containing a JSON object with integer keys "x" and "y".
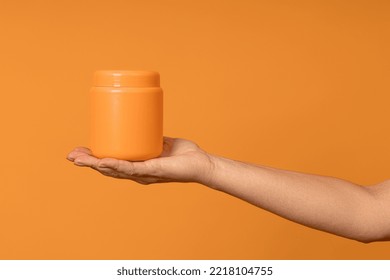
{"x": 181, "y": 161}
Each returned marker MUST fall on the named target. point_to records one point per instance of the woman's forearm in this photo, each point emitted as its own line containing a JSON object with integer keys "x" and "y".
{"x": 320, "y": 202}
{"x": 324, "y": 203}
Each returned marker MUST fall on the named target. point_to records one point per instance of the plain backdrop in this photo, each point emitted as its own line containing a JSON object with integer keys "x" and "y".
{"x": 298, "y": 85}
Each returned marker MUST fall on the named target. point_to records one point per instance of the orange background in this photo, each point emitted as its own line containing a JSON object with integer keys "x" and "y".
{"x": 301, "y": 85}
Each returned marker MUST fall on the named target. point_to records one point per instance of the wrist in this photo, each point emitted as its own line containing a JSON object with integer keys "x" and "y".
{"x": 207, "y": 171}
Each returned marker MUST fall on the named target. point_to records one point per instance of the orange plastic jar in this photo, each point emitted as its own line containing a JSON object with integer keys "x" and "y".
{"x": 126, "y": 115}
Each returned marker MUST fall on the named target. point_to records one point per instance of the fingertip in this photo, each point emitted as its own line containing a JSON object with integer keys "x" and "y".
{"x": 77, "y": 152}
{"x": 71, "y": 156}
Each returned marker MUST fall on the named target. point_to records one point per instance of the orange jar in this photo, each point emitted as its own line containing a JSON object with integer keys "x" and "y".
{"x": 126, "y": 115}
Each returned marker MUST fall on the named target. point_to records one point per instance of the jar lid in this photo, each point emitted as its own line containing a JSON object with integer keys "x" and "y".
{"x": 126, "y": 78}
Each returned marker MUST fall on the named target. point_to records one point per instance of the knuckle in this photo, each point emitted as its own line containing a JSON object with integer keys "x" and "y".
{"x": 116, "y": 165}
{"x": 152, "y": 167}
{"x": 130, "y": 170}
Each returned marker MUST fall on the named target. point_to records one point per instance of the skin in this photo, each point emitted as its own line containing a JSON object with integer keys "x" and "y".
{"x": 325, "y": 203}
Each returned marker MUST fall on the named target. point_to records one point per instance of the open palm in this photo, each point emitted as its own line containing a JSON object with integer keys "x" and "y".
{"x": 181, "y": 161}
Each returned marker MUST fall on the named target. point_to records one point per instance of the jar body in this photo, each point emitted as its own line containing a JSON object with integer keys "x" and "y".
{"x": 126, "y": 122}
